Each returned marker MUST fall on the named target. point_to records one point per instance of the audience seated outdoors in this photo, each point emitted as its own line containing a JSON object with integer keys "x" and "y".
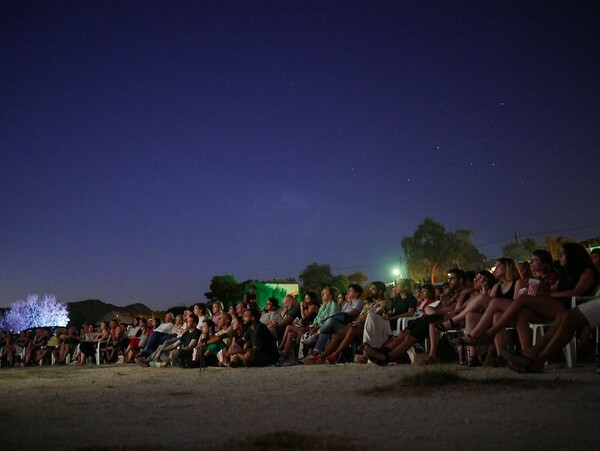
{"x": 576, "y": 277}
{"x": 381, "y": 326}
{"x": 178, "y": 352}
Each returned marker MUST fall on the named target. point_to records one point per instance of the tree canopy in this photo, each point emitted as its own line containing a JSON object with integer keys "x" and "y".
{"x": 316, "y": 275}
{"x": 522, "y": 249}
{"x": 431, "y": 251}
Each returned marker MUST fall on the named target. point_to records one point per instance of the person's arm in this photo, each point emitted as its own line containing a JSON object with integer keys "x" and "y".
{"x": 191, "y": 345}
{"x": 464, "y": 295}
{"x": 170, "y": 347}
{"x": 409, "y": 312}
{"x": 585, "y": 282}
{"x": 518, "y": 286}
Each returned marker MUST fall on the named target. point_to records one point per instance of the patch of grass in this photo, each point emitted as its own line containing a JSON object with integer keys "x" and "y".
{"x": 430, "y": 381}
{"x": 287, "y": 440}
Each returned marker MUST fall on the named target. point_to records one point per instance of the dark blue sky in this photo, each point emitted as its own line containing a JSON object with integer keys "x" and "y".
{"x": 148, "y": 146}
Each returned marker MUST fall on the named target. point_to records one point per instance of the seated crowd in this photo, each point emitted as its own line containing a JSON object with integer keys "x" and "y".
{"x": 360, "y": 326}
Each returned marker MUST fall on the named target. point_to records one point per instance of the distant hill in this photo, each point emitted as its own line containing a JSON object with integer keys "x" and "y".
{"x": 94, "y": 311}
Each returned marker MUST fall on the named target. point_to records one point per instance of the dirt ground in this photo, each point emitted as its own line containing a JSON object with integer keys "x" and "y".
{"x": 128, "y": 407}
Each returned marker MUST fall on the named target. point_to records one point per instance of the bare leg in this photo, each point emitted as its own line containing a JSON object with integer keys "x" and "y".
{"x": 548, "y": 308}
{"x": 478, "y": 303}
{"x": 434, "y": 341}
{"x": 524, "y": 317}
{"x": 291, "y": 340}
{"x": 354, "y": 331}
{"x": 501, "y": 338}
{"x": 559, "y": 335}
{"x": 335, "y": 341}
{"x": 496, "y": 305}
{"x": 471, "y": 321}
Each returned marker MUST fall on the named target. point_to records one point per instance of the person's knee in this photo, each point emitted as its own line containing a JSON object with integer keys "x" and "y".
{"x": 573, "y": 318}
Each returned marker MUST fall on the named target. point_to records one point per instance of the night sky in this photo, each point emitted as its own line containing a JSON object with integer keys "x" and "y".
{"x": 148, "y": 146}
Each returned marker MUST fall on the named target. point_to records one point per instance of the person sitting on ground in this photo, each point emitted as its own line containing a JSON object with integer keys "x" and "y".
{"x": 309, "y": 308}
{"x": 217, "y": 312}
{"x": 236, "y": 342}
{"x": 224, "y": 327}
{"x": 179, "y": 352}
{"x": 208, "y": 345}
{"x": 577, "y": 277}
{"x": 260, "y": 348}
{"x": 290, "y": 311}
{"x": 271, "y": 312}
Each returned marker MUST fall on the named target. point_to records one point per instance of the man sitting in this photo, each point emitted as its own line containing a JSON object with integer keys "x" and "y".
{"x": 177, "y": 353}
{"x": 160, "y": 334}
{"x": 260, "y": 348}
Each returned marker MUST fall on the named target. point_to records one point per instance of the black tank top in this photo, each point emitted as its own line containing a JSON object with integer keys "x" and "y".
{"x": 510, "y": 294}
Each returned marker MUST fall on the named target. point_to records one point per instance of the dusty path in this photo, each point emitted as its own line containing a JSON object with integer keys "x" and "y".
{"x": 129, "y": 406}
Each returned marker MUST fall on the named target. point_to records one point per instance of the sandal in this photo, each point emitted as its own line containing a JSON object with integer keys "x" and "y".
{"x": 468, "y": 340}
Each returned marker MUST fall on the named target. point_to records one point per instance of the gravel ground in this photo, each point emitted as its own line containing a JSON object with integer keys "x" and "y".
{"x": 128, "y": 407}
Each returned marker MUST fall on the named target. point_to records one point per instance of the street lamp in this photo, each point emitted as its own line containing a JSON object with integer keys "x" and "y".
{"x": 396, "y": 272}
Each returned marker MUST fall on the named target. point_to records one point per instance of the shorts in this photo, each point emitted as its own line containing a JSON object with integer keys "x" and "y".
{"x": 419, "y": 329}
{"x": 591, "y": 311}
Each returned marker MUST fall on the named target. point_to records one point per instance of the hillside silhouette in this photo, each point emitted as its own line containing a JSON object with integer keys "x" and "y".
{"x": 94, "y": 311}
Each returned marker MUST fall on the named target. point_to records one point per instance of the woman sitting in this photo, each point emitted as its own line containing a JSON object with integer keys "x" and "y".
{"x": 577, "y": 277}
{"x": 88, "y": 348}
{"x": 309, "y": 308}
{"x": 138, "y": 342}
{"x": 236, "y": 344}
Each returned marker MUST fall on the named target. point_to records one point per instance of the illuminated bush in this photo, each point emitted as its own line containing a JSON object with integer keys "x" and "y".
{"x": 35, "y": 312}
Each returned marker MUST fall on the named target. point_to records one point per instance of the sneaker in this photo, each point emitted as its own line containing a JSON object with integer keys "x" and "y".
{"x": 332, "y": 358}
{"x": 315, "y": 359}
{"x": 311, "y": 340}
